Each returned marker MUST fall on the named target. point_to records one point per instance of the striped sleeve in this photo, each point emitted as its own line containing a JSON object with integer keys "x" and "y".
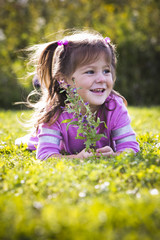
{"x": 124, "y": 138}
{"x": 49, "y": 142}
{"x": 122, "y": 135}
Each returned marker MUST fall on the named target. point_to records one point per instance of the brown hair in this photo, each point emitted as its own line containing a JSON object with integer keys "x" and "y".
{"x": 58, "y": 62}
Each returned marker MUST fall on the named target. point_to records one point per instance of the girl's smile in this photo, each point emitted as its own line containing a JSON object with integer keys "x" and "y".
{"x": 94, "y": 82}
{"x": 98, "y": 91}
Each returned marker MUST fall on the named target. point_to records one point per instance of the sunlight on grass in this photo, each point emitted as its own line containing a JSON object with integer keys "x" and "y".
{"x": 145, "y": 119}
{"x": 104, "y": 198}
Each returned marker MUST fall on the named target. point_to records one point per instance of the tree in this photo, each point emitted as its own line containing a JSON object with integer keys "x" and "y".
{"x": 131, "y": 24}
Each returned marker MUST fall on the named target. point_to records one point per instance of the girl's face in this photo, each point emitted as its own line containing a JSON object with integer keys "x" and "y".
{"x": 95, "y": 82}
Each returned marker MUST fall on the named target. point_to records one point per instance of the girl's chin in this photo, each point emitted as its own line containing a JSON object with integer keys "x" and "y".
{"x": 95, "y": 107}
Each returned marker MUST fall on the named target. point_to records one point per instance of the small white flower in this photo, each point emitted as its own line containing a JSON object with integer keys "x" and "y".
{"x": 138, "y": 195}
{"x": 104, "y": 185}
{"x": 96, "y": 186}
{"x": 158, "y": 145}
{"x": 154, "y": 191}
{"x": 37, "y": 205}
{"x": 132, "y": 191}
{"x": 82, "y": 194}
{"x": 16, "y": 177}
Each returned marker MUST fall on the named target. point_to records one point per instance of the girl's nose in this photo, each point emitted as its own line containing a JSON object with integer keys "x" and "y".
{"x": 100, "y": 77}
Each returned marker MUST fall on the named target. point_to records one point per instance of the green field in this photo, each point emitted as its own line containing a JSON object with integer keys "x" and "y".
{"x": 105, "y": 198}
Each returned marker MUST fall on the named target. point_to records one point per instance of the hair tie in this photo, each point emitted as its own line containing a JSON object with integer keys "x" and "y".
{"x": 62, "y": 42}
{"x": 107, "y": 40}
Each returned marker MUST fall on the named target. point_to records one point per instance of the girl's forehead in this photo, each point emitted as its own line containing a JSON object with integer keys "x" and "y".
{"x": 100, "y": 60}
{"x": 83, "y": 55}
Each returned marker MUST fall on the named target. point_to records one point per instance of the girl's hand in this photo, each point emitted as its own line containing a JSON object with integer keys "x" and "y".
{"x": 105, "y": 151}
{"x": 84, "y": 154}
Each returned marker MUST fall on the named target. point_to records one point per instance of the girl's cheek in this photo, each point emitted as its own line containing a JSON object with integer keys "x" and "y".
{"x": 111, "y": 82}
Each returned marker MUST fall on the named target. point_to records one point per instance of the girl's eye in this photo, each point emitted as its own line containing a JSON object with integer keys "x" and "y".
{"x": 89, "y": 72}
{"x": 106, "y": 71}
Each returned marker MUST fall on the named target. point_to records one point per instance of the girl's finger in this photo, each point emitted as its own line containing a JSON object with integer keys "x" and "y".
{"x": 104, "y": 149}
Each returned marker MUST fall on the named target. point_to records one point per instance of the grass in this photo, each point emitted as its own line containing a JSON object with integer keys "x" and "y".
{"x": 108, "y": 198}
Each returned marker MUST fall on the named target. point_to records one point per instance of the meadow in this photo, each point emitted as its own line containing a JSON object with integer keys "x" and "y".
{"x": 72, "y": 199}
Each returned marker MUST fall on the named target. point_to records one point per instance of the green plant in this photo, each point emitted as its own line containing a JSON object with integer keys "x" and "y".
{"x": 111, "y": 198}
{"x": 87, "y": 123}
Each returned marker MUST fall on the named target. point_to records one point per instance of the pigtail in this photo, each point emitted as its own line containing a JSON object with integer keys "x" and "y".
{"x": 48, "y": 71}
{"x": 44, "y": 68}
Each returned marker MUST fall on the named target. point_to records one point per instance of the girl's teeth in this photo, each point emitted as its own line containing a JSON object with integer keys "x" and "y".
{"x": 97, "y": 90}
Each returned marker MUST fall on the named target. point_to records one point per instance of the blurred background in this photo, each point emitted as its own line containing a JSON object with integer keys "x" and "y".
{"x": 132, "y": 25}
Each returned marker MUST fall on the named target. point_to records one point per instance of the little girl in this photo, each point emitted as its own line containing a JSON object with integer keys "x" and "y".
{"x": 91, "y": 61}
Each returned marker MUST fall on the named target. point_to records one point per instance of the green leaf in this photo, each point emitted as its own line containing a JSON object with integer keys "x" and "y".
{"x": 105, "y": 124}
{"x": 80, "y": 137}
{"x": 67, "y": 120}
{"x": 72, "y": 123}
